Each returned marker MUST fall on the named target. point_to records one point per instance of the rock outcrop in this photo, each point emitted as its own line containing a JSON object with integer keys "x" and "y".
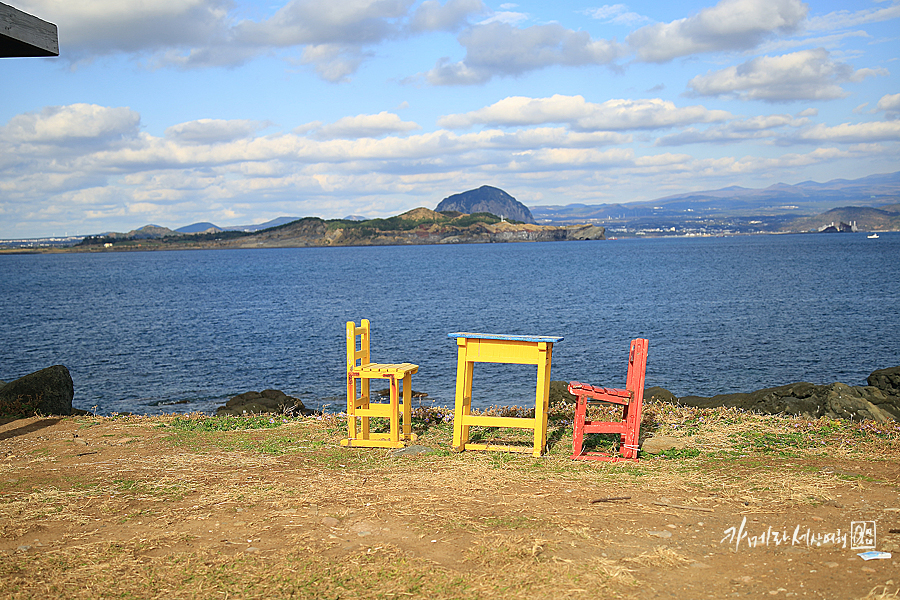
{"x": 888, "y": 382}
{"x": 266, "y": 401}
{"x": 585, "y": 232}
{"x": 46, "y": 392}
{"x": 878, "y": 401}
{"x": 559, "y": 393}
{"x": 487, "y": 199}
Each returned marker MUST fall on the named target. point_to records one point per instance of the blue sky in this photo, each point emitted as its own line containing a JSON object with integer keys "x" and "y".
{"x": 232, "y": 111}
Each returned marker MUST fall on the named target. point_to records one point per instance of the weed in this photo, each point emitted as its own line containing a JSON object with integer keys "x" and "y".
{"x": 227, "y": 422}
{"x": 20, "y": 407}
{"x": 678, "y": 454}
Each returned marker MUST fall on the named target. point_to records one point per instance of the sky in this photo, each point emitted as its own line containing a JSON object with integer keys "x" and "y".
{"x": 172, "y": 112}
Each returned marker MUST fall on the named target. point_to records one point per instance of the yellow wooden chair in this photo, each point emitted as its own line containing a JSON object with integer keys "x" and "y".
{"x": 360, "y": 368}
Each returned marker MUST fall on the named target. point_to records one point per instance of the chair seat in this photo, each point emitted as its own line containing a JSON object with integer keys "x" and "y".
{"x": 375, "y": 370}
{"x": 600, "y": 393}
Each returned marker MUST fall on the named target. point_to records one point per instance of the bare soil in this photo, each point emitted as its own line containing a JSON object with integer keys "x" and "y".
{"x": 131, "y": 507}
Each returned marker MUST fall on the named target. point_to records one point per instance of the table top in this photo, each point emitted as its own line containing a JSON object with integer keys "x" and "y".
{"x": 511, "y": 338}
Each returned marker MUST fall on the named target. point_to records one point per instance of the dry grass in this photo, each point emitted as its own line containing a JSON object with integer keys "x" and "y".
{"x": 881, "y": 593}
{"x": 180, "y": 498}
{"x": 661, "y": 556}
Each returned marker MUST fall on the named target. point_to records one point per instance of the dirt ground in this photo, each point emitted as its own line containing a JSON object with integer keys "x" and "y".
{"x": 129, "y": 507}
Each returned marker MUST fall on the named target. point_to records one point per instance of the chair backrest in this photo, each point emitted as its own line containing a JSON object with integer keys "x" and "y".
{"x": 357, "y": 354}
{"x": 637, "y": 368}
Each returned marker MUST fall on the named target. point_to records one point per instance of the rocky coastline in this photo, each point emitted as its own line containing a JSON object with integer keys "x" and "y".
{"x": 50, "y": 391}
{"x": 420, "y": 226}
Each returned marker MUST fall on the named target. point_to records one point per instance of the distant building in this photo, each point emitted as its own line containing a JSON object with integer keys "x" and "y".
{"x": 839, "y": 228}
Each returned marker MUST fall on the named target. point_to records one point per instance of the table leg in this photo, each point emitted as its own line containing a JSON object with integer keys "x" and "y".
{"x": 463, "y": 404}
{"x": 542, "y": 398}
{"x": 467, "y": 401}
{"x": 407, "y": 406}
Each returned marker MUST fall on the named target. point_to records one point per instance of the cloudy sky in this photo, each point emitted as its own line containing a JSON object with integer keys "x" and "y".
{"x": 238, "y": 111}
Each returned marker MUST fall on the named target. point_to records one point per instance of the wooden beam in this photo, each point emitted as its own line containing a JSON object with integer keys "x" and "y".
{"x": 23, "y": 35}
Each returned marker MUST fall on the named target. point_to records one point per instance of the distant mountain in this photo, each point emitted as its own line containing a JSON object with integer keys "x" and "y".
{"x": 147, "y": 232}
{"x": 155, "y": 231}
{"x": 206, "y": 227}
{"x": 487, "y": 199}
{"x": 802, "y": 199}
{"x": 199, "y": 228}
{"x": 260, "y": 226}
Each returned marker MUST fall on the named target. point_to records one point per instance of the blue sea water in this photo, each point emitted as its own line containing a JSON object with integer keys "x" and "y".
{"x": 182, "y": 331}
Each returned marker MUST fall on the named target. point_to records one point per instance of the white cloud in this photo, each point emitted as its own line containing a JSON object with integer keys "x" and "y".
{"x": 212, "y": 131}
{"x": 333, "y": 36}
{"x": 91, "y": 27}
{"x": 612, "y": 115}
{"x": 333, "y": 62}
{"x": 365, "y": 126}
{"x": 431, "y": 15}
{"x": 844, "y": 18}
{"x": 752, "y": 128}
{"x": 729, "y": 25}
{"x": 507, "y": 16}
{"x": 76, "y": 123}
{"x": 572, "y": 159}
{"x": 499, "y": 49}
{"x": 617, "y": 14}
{"x": 876, "y": 131}
{"x": 803, "y": 75}
{"x": 356, "y": 22}
{"x": 890, "y": 104}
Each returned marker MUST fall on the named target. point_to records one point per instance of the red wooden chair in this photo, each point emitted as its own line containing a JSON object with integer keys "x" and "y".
{"x": 631, "y": 399}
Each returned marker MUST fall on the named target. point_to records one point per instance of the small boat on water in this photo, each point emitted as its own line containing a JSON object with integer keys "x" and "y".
{"x": 873, "y": 236}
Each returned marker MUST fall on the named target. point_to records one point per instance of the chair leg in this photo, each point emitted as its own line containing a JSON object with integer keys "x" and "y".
{"x": 351, "y": 410}
{"x": 578, "y": 426}
{"x": 637, "y": 369}
{"x": 395, "y": 410}
{"x": 628, "y": 443}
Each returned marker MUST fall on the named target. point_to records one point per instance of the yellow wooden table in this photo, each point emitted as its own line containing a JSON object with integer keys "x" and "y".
{"x": 508, "y": 349}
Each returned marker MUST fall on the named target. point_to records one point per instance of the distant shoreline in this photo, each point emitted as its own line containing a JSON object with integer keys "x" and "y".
{"x": 150, "y": 246}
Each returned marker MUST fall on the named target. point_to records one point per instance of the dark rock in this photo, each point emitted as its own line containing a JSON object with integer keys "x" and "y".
{"x": 586, "y": 232}
{"x": 836, "y": 401}
{"x": 887, "y": 381}
{"x": 659, "y": 394}
{"x": 266, "y": 401}
{"x": 47, "y": 392}
{"x": 487, "y": 199}
{"x": 559, "y": 393}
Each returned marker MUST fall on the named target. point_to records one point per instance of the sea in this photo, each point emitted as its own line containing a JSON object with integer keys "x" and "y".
{"x": 183, "y": 331}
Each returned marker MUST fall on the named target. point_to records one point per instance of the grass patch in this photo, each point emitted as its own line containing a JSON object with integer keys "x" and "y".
{"x": 227, "y": 422}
